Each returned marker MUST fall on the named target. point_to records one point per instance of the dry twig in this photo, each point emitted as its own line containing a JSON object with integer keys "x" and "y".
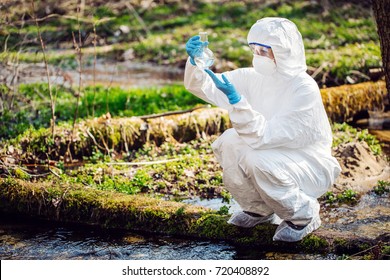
{"x": 52, "y": 103}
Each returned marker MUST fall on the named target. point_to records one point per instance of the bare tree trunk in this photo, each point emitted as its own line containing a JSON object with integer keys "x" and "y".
{"x": 381, "y": 10}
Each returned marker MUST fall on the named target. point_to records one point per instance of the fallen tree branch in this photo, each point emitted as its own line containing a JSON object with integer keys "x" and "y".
{"x": 319, "y": 70}
{"x": 85, "y": 20}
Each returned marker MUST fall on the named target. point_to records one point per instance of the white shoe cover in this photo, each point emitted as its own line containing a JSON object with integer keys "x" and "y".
{"x": 286, "y": 233}
{"x": 242, "y": 219}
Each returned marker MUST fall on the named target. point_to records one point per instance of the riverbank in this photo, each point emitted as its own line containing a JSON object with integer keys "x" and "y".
{"x": 355, "y": 213}
{"x": 138, "y": 213}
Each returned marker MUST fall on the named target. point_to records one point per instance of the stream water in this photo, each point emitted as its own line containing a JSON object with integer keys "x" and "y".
{"x": 124, "y": 74}
{"x": 22, "y": 238}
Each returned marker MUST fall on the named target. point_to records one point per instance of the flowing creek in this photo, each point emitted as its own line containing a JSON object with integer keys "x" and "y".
{"x": 124, "y": 74}
{"x": 23, "y": 238}
{"x": 31, "y": 239}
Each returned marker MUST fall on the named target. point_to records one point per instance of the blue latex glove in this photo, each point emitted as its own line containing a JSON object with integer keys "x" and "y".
{"x": 194, "y": 46}
{"x": 226, "y": 87}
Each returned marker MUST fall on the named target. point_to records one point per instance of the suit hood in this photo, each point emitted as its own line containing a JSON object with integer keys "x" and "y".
{"x": 286, "y": 42}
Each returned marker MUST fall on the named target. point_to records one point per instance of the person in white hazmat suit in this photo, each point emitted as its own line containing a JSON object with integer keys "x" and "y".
{"x": 277, "y": 158}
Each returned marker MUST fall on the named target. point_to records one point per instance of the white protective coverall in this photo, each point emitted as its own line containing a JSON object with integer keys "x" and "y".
{"x": 277, "y": 157}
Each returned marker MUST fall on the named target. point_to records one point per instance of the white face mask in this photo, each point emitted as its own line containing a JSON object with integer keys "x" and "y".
{"x": 263, "y": 65}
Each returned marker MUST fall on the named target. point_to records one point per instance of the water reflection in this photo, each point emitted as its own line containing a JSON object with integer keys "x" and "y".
{"x": 215, "y": 203}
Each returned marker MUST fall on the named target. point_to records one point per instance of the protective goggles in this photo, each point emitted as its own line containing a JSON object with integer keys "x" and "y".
{"x": 261, "y": 49}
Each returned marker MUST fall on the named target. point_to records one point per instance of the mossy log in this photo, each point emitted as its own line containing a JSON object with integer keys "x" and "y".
{"x": 343, "y": 102}
{"x": 80, "y": 204}
{"x": 118, "y": 136}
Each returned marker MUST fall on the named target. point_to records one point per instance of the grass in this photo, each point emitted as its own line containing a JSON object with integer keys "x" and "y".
{"x": 95, "y": 101}
{"x": 195, "y": 172}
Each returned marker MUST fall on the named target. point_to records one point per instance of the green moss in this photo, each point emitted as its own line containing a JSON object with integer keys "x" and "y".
{"x": 342, "y": 246}
{"x": 385, "y": 251}
{"x": 180, "y": 211}
{"x": 19, "y": 173}
{"x": 356, "y": 248}
{"x": 313, "y": 243}
{"x": 363, "y": 247}
{"x": 212, "y": 226}
{"x": 261, "y": 235}
{"x": 224, "y": 210}
{"x": 368, "y": 257}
